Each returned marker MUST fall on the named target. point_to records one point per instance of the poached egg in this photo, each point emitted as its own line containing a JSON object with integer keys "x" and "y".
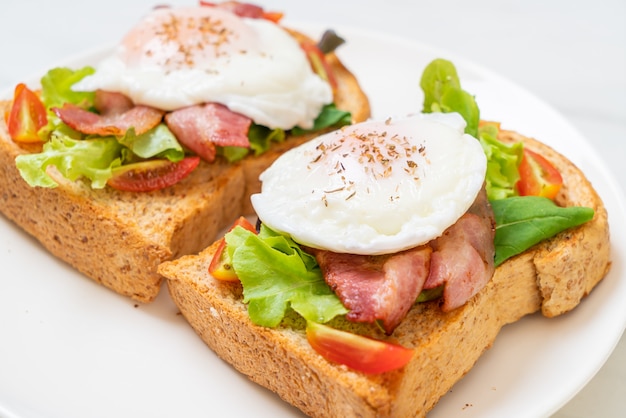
{"x": 178, "y": 57}
{"x": 376, "y": 187}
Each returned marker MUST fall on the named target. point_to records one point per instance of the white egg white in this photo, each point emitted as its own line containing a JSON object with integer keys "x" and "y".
{"x": 375, "y": 187}
{"x": 177, "y": 57}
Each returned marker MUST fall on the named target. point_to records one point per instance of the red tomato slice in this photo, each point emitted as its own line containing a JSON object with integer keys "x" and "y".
{"x": 359, "y": 353}
{"x": 151, "y": 175}
{"x": 538, "y": 177}
{"x": 27, "y": 115}
{"x": 319, "y": 64}
{"x": 220, "y": 266}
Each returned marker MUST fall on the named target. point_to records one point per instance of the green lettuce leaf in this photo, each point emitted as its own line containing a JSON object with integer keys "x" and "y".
{"x": 502, "y": 163}
{"x": 438, "y": 76}
{"x": 56, "y": 90}
{"x": 157, "y": 142}
{"x": 329, "y": 116}
{"x": 56, "y": 87}
{"x": 260, "y": 137}
{"x": 522, "y": 222}
{"x": 93, "y": 159}
{"x": 276, "y": 274}
{"x": 287, "y": 245}
{"x": 443, "y": 93}
{"x": 233, "y": 154}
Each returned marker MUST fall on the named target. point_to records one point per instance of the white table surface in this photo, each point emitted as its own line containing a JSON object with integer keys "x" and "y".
{"x": 571, "y": 54}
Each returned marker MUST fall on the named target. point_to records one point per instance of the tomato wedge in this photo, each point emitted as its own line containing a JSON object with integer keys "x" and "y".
{"x": 359, "y": 353}
{"x": 27, "y": 115}
{"x": 152, "y": 175}
{"x": 319, "y": 64}
{"x": 538, "y": 177}
{"x": 220, "y": 266}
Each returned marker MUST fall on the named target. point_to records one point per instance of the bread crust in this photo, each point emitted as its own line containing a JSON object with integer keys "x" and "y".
{"x": 572, "y": 263}
{"x": 551, "y": 277}
{"x": 119, "y": 238}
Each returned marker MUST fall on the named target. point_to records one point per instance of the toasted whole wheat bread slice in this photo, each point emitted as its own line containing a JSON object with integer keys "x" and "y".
{"x": 551, "y": 277}
{"x": 119, "y": 238}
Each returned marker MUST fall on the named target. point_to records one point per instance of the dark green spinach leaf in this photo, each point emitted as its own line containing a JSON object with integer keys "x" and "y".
{"x": 522, "y": 222}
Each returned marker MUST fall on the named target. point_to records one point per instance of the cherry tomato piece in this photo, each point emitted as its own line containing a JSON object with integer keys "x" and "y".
{"x": 152, "y": 175}
{"x": 220, "y": 266}
{"x": 27, "y": 115}
{"x": 359, "y": 353}
{"x": 538, "y": 177}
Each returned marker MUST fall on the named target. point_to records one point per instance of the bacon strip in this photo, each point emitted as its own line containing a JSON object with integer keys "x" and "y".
{"x": 141, "y": 118}
{"x": 385, "y": 287}
{"x": 376, "y": 287}
{"x": 463, "y": 257}
{"x": 201, "y": 127}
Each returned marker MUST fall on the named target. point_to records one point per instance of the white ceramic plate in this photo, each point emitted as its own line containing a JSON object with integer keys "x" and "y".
{"x": 71, "y": 348}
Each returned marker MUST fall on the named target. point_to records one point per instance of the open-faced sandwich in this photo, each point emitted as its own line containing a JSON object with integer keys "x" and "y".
{"x": 388, "y": 255}
{"x": 146, "y": 156}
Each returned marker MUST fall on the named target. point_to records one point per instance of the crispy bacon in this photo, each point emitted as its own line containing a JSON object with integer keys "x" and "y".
{"x": 201, "y": 127}
{"x": 463, "y": 257}
{"x": 376, "y": 287}
{"x": 385, "y": 287}
{"x": 141, "y": 118}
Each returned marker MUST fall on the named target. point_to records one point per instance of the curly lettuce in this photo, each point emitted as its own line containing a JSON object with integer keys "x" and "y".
{"x": 276, "y": 274}
{"x": 503, "y": 162}
{"x": 56, "y": 87}
{"x": 77, "y": 155}
{"x": 91, "y": 158}
{"x": 157, "y": 142}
